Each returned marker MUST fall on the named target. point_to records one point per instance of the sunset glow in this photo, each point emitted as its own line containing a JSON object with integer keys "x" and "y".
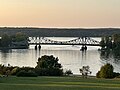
{"x": 60, "y": 13}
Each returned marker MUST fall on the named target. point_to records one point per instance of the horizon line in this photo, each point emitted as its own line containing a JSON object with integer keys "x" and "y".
{"x": 56, "y": 27}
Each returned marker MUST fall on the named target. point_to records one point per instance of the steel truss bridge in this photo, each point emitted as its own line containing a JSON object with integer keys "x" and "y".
{"x": 84, "y": 41}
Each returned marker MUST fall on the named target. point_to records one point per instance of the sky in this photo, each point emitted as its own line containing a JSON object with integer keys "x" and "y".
{"x": 60, "y": 13}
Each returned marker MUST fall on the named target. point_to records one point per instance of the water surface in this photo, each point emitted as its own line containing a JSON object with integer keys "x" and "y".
{"x": 69, "y": 56}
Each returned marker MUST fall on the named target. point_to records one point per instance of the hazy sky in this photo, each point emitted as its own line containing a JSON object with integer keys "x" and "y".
{"x": 60, "y": 13}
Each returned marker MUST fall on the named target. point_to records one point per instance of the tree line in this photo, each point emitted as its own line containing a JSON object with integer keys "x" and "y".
{"x": 60, "y": 32}
{"x": 111, "y": 44}
{"x": 46, "y": 66}
{"x": 6, "y": 40}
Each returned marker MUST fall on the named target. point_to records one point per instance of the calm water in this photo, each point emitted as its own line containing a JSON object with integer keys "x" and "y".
{"x": 69, "y": 56}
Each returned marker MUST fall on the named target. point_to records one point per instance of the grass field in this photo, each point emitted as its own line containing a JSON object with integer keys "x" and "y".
{"x": 58, "y": 83}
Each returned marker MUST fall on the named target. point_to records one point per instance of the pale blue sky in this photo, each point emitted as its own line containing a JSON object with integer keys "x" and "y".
{"x": 60, "y": 13}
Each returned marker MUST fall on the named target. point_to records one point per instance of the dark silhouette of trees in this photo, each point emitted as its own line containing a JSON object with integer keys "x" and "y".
{"x": 10, "y": 41}
{"x": 48, "y": 66}
{"x": 110, "y": 45}
{"x": 19, "y": 37}
{"x": 5, "y": 40}
{"x": 68, "y": 72}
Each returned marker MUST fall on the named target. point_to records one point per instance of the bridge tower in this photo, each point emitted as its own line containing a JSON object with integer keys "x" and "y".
{"x": 84, "y": 42}
{"x": 37, "y": 41}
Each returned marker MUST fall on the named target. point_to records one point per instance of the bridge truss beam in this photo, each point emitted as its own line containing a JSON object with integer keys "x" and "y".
{"x": 78, "y": 41}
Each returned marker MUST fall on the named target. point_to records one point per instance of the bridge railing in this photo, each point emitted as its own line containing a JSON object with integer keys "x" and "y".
{"x": 77, "y": 41}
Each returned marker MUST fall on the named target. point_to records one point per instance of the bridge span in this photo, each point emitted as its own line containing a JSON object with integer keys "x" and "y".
{"x": 78, "y": 41}
{"x": 84, "y": 41}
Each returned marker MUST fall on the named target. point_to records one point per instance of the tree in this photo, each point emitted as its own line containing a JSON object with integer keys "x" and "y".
{"x": 85, "y": 70}
{"x": 106, "y": 71}
{"x": 5, "y": 40}
{"x": 106, "y": 42}
{"x": 68, "y": 72}
{"x": 102, "y": 43}
{"x": 48, "y": 66}
{"x": 19, "y": 37}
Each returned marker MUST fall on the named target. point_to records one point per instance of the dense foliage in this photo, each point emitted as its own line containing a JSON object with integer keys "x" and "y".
{"x": 106, "y": 71}
{"x": 7, "y": 41}
{"x": 19, "y": 37}
{"x": 68, "y": 72}
{"x": 60, "y": 32}
{"x": 48, "y": 66}
{"x": 111, "y": 44}
{"x": 17, "y": 71}
{"x": 24, "y": 73}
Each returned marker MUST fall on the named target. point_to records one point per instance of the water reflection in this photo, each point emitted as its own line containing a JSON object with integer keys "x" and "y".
{"x": 75, "y": 59}
{"x": 110, "y": 57}
{"x": 70, "y": 59}
{"x": 4, "y": 54}
{"x": 83, "y": 55}
{"x": 69, "y": 56}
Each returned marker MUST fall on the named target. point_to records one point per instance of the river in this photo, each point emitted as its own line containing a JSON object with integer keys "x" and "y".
{"x": 69, "y": 56}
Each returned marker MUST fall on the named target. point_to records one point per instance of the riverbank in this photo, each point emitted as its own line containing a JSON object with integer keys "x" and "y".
{"x": 58, "y": 83}
{"x": 60, "y": 32}
{"x": 14, "y": 47}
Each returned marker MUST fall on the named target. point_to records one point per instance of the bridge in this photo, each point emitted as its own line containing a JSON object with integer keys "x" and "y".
{"x": 84, "y": 41}
{"x": 78, "y": 41}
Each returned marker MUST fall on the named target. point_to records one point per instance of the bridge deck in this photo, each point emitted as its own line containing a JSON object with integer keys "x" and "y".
{"x": 78, "y": 41}
{"x": 62, "y": 44}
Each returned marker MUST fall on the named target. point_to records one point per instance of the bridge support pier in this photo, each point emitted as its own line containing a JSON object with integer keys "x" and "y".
{"x": 39, "y": 46}
{"x": 83, "y": 48}
{"x": 35, "y": 47}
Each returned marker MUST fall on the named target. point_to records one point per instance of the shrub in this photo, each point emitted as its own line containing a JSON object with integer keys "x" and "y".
{"x": 24, "y": 73}
{"x": 55, "y": 72}
{"x": 106, "y": 71}
{"x": 117, "y": 75}
{"x": 26, "y": 69}
{"x": 49, "y": 72}
{"x": 14, "y": 71}
{"x": 98, "y": 74}
{"x": 68, "y": 72}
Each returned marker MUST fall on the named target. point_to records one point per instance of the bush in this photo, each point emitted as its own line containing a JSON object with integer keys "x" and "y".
{"x": 106, "y": 71}
{"x": 117, "y": 75}
{"x": 14, "y": 71}
{"x": 98, "y": 74}
{"x": 26, "y": 69}
{"x": 49, "y": 72}
{"x": 24, "y": 73}
{"x": 68, "y": 72}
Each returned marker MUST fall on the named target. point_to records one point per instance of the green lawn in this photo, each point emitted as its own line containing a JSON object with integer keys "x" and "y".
{"x": 58, "y": 83}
